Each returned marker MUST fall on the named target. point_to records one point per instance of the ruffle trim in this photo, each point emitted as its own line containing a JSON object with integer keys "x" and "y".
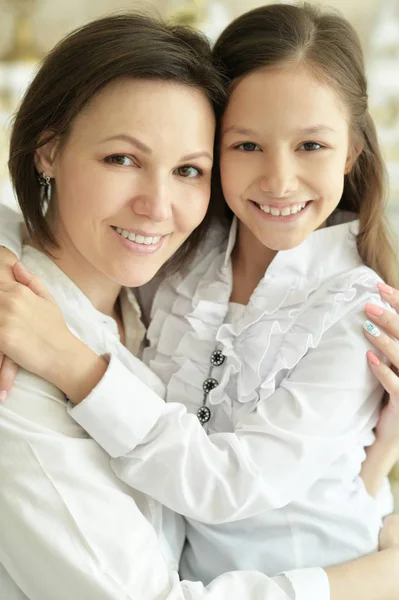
{"x": 281, "y": 323}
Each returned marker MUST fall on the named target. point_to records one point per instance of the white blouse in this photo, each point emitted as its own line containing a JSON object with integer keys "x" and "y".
{"x": 69, "y": 528}
{"x": 271, "y": 482}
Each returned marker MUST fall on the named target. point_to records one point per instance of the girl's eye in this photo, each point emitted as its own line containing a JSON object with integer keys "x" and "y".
{"x": 188, "y": 171}
{"x": 310, "y": 146}
{"x": 248, "y": 147}
{"x": 120, "y": 159}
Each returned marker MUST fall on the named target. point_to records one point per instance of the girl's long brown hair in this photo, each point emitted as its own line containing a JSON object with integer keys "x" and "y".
{"x": 328, "y": 45}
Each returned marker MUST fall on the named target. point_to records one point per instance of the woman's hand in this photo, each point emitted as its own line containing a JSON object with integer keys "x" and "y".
{"x": 382, "y": 330}
{"x": 34, "y": 335}
{"x": 8, "y": 369}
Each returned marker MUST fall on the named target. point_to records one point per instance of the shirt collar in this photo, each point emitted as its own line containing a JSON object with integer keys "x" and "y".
{"x": 341, "y": 225}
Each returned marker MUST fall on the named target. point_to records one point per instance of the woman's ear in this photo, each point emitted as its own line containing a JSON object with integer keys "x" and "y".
{"x": 45, "y": 157}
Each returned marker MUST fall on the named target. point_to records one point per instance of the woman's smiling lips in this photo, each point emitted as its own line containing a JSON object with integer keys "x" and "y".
{"x": 281, "y": 212}
{"x": 138, "y": 241}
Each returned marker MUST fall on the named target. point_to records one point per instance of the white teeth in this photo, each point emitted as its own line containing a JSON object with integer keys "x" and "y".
{"x": 139, "y": 239}
{"x": 284, "y": 212}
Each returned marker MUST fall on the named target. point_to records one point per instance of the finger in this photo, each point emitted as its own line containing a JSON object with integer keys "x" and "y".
{"x": 383, "y": 343}
{"x": 383, "y": 318}
{"x": 8, "y": 371}
{"x": 389, "y": 294}
{"x": 22, "y": 275}
{"x": 384, "y": 374}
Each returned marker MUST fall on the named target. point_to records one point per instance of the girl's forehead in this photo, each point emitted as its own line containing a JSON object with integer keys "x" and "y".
{"x": 289, "y": 94}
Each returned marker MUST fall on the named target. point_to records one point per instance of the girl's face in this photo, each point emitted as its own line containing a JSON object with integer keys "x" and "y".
{"x": 285, "y": 149}
{"x": 132, "y": 180}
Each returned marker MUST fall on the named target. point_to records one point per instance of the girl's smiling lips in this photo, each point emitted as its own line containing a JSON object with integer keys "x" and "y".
{"x": 281, "y": 212}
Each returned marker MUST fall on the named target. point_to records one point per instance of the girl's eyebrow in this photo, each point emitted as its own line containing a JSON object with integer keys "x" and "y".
{"x": 240, "y": 130}
{"x": 301, "y": 131}
{"x": 315, "y": 129}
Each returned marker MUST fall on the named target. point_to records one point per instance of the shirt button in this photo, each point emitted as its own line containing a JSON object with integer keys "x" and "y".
{"x": 217, "y": 358}
{"x": 203, "y": 414}
{"x": 209, "y": 385}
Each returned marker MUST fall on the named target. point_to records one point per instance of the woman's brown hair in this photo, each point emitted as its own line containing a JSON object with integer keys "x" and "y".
{"x": 83, "y": 63}
{"x": 328, "y": 45}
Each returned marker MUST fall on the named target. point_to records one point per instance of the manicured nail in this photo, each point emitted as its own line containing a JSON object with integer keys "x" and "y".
{"x": 3, "y": 395}
{"x": 385, "y": 289}
{"x": 373, "y": 309}
{"x": 371, "y": 329}
{"x": 373, "y": 359}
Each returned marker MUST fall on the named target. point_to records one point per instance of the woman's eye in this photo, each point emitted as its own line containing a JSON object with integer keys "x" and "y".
{"x": 120, "y": 159}
{"x": 310, "y": 146}
{"x": 188, "y": 171}
{"x": 248, "y": 147}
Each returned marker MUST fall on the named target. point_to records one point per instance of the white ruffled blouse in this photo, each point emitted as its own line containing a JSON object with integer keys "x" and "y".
{"x": 271, "y": 482}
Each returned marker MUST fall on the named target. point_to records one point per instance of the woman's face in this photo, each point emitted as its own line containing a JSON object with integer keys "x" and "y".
{"x": 284, "y": 153}
{"x": 132, "y": 181}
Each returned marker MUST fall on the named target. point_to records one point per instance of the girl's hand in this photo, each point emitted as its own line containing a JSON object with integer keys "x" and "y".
{"x": 34, "y": 335}
{"x": 8, "y": 369}
{"x": 389, "y": 535}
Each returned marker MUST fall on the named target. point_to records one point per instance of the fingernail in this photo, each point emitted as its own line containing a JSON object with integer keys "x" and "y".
{"x": 373, "y": 309}
{"x": 373, "y": 359}
{"x": 371, "y": 329}
{"x": 3, "y": 395}
{"x": 385, "y": 289}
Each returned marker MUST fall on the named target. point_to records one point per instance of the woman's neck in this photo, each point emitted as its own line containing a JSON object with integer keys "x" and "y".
{"x": 102, "y": 292}
{"x": 250, "y": 260}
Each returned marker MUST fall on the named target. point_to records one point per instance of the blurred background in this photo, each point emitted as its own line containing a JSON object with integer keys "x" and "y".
{"x": 29, "y": 28}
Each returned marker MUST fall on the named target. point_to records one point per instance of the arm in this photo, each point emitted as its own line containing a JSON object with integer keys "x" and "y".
{"x": 305, "y": 425}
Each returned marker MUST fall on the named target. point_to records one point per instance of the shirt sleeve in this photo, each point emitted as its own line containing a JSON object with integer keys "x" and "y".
{"x": 11, "y": 230}
{"x": 69, "y": 529}
{"x": 320, "y": 411}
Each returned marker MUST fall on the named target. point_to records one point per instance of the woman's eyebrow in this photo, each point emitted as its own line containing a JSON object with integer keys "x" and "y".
{"x": 131, "y": 140}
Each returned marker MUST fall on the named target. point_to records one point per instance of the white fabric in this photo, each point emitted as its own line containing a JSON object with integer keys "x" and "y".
{"x": 11, "y": 229}
{"x": 69, "y": 529}
{"x": 273, "y": 480}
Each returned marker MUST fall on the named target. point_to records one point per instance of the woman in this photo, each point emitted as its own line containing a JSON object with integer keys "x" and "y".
{"x": 55, "y": 479}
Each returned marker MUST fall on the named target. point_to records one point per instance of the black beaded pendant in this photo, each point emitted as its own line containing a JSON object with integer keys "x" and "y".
{"x": 217, "y": 358}
{"x": 203, "y": 414}
{"x": 209, "y": 385}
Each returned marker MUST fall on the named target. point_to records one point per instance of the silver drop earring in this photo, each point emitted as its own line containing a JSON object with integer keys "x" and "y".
{"x": 45, "y": 187}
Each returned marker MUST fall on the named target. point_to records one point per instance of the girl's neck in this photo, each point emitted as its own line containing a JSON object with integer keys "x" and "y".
{"x": 250, "y": 261}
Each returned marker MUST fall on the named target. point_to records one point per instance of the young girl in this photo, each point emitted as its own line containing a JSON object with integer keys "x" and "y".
{"x": 260, "y": 338}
